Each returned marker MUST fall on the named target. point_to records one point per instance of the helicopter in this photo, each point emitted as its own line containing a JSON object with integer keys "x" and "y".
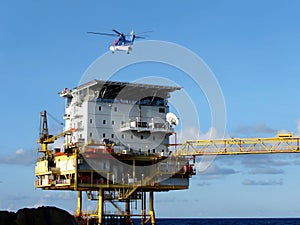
{"x": 122, "y": 43}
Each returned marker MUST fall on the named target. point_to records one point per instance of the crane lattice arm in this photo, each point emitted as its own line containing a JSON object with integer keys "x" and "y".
{"x": 235, "y": 146}
{"x": 45, "y": 137}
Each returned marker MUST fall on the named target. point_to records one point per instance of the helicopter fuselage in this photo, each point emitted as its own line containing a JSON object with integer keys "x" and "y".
{"x": 126, "y": 48}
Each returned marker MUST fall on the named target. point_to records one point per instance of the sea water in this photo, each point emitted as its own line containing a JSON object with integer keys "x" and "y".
{"x": 244, "y": 221}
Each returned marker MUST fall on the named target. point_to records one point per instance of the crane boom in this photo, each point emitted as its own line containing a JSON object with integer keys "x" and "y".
{"x": 235, "y": 146}
{"x": 46, "y": 138}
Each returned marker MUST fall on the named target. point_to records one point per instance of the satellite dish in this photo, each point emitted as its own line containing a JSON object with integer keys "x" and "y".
{"x": 172, "y": 119}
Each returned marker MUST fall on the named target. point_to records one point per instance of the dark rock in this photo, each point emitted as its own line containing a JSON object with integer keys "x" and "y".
{"x": 39, "y": 216}
{"x": 7, "y": 218}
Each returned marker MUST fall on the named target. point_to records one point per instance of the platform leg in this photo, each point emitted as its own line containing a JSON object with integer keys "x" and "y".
{"x": 100, "y": 207}
{"x": 151, "y": 208}
{"x": 79, "y": 204}
{"x": 143, "y": 207}
{"x": 127, "y": 209}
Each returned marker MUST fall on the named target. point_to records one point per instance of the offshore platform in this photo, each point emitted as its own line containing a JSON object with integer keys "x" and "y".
{"x": 116, "y": 149}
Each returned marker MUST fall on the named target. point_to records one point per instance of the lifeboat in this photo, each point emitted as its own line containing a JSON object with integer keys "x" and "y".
{"x": 98, "y": 151}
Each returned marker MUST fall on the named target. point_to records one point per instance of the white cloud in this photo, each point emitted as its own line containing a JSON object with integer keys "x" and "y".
{"x": 215, "y": 172}
{"x": 201, "y": 184}
{"x": 62, "y": 195}
{"x": 20, "y": 156}
{"x": 262, "y": 161}
{"x": 40, "y": 202}
{"x": 54, "y": 198}
{"x": 20, "y": 151}
{"x": 192, "y": 133}
{"x": 254, "y": 129}
{"x": 266, "y": 170}
{"x": 263, "y": 182}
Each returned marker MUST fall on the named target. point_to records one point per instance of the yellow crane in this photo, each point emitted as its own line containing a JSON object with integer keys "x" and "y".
{"x": 283, "y": 143}
{"x": 46, "y": 138}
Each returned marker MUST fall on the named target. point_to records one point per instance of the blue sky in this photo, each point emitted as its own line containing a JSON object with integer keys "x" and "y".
{"x": 252, "y": 47}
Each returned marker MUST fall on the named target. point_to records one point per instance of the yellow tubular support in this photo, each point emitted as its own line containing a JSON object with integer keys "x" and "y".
{"x": 79, "y": 204}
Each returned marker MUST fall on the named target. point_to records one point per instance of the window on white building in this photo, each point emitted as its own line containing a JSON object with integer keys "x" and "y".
{"x": 161, "y": 110}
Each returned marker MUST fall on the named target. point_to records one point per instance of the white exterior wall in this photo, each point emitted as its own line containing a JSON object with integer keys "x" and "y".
{"x": 106, "y": 124}
{"x": 65, "y": 165}
{"x": 95, "y": 120}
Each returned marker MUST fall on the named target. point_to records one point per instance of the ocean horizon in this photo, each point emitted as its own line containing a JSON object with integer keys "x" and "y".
{"x": 225, "y": 221}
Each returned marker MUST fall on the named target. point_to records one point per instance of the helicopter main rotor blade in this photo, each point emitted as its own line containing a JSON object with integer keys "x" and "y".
{"x": 107, "y": 34}
{"x": 116, "y": 32}
{"x": 139, "y": 37}
{"x": 144, "y": 32}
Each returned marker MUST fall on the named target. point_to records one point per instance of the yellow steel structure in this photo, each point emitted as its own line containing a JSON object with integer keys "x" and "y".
{"x": 71, "y": 170}
{"x": 283, "y": 143}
